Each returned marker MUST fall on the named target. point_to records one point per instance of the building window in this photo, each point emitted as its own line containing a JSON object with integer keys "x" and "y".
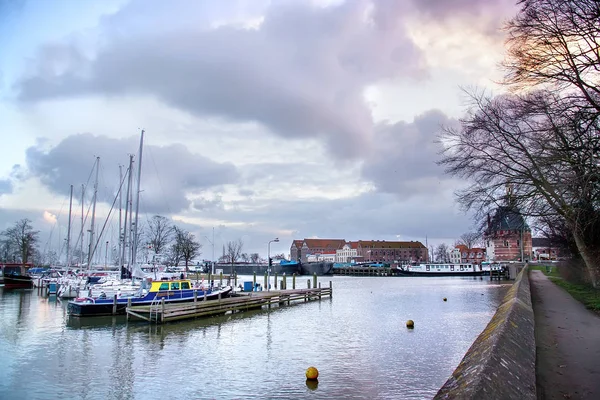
{"x": 506, "y": 243}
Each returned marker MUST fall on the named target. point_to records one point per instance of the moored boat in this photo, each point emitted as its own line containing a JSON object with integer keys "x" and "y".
{"x": 172, "y": 291}
{"x": 16, "y": 276}
{"x": 442, "y": 269}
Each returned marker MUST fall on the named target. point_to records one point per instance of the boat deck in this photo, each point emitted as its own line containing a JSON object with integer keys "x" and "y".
{"x": 161, "y": 312}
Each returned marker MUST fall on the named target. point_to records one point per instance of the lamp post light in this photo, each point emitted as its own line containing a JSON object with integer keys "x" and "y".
{"x": 269, "y": 261}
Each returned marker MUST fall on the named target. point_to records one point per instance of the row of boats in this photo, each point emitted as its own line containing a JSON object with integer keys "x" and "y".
{"x": 105, "y": 293}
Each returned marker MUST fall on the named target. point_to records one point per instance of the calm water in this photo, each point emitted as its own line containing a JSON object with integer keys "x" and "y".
{"x": 357, "y": 340}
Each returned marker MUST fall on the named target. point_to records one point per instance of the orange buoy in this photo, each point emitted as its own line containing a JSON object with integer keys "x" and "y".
{"x": 312, "y": 373}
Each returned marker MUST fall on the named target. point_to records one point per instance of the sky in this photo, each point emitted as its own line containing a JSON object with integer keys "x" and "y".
{"x": 263, "y": 119}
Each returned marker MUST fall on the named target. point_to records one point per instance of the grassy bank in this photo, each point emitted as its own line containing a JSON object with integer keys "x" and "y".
{"x": 586, "y": 294}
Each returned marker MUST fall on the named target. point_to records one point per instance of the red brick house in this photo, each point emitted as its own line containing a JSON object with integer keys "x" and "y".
{"x": 507, "y": 236}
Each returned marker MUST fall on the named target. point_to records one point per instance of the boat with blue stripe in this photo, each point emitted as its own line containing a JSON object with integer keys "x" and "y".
{"x": 172, "y": 291}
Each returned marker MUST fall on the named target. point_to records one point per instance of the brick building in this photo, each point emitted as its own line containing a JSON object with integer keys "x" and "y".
{"x": 463, "y": 255}
{"x": 301, "y": 249}
{"x": 507, "y": 236}
{"x": 379, "y": 251}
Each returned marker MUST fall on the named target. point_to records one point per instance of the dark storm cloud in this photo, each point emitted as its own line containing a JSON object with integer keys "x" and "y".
{"x": 301, "y": 74}
{"x": 168, "y": 172}
{"x": 405, "y": 155}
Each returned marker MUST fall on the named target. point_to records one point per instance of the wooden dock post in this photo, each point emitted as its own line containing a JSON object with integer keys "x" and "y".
{"x": 265, "y": 287}
{"x": 235, "y": 279}
{"x": 128, "y": 305}
{"x": 294, "y": 281}
{"x": 330, "y": 290}
{"x": 114, "y": 309}
{"x": 195, "y": 296}
{"x": 308, "y": 283}
{"x": 209, "y": 277}
{"x": 162, "y": 309}
{"x": 275, "y": 281}
{"x": 254, "y": 281}
{"x": 315, "y": 280}
{"x": 284, "y": 282}
{"x": 221, "y": 277}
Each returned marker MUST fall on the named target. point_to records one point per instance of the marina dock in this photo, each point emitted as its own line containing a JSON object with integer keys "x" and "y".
{"x": 244, "y": 301}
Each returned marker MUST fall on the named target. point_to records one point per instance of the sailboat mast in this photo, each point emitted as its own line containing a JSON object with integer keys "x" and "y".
{"x": 120, "y": 212}
{"x": 127, "y": 207}
{"x": 137, "y": 202}
{"x": 91, "y": 246}
{"x": 69, "y": 228}
{"x": 81, "y": 241}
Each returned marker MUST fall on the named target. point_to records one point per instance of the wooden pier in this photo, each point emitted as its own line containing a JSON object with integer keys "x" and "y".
{"x": 161, "y": 312}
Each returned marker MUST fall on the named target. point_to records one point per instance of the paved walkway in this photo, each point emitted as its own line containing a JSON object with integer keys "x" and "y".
{"x": 567, "y": 337}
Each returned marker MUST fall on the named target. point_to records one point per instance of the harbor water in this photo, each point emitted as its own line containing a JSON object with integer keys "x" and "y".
{"x": 358, "y": 341}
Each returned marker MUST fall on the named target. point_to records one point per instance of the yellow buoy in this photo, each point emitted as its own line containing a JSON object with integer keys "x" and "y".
{"x": 410, "y": 323}
{"x": 312, "y": 373}
{"x": 445, "y": 299}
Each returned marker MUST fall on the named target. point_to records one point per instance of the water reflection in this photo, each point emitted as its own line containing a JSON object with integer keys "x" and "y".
{"x": 358, "y": 340}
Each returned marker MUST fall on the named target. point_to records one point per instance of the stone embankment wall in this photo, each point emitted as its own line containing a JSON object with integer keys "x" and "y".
{"x": 501, "y": 362}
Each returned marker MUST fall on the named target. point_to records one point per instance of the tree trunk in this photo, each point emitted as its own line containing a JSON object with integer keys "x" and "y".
{"x": 590, "y": 258}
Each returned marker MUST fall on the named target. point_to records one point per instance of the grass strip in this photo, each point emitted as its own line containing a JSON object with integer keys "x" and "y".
{"x": 585, "y": 294}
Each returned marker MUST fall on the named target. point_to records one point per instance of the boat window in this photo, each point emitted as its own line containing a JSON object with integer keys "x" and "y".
{"x": 164, "y": 286}
{"x": 185, "y": 285}
{"x": 175, "y": 286}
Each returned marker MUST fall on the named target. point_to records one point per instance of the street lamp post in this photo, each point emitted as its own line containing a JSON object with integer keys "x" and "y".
{"x": 269, "y": 263}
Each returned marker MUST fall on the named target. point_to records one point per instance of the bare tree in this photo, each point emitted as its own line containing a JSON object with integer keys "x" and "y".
{"x": 254, "y": 258}
{"x": 555, "y": 43}
{"x": 22, "y": 239}
{"x": 542, "y": 146}
{"x": 469, "y": 239}
{"x": 160, "y": 233}
{"x": 442, "y": 253}
{"x": 187, "y": 245}
{"x": 234, "y": 250}
{"x": 175, "y": 254}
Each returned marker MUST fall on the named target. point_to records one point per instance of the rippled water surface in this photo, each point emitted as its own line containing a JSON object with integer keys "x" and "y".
{"x": 357, "y": 340}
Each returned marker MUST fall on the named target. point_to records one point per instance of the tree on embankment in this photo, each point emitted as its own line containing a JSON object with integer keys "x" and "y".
{"x": 542, "y": 139}
{"x": 19, "y": 242}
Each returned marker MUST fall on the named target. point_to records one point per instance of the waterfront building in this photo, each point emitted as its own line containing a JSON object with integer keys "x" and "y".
{"x": 544, "y": 249}
{"x": 379, "y": 251}
{"x": 507, "y": 236}
{"x": 301, "y": 249}
{"x": 348, "y": 253}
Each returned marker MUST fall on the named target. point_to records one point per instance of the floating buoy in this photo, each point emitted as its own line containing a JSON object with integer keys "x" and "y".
{"x": 445, "y": 299}
{"x": 410, "y": 324}
{"x": 312, "y": 373}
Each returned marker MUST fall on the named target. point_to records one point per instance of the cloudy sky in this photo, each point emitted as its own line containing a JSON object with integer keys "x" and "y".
{"x": 263, "y": 119}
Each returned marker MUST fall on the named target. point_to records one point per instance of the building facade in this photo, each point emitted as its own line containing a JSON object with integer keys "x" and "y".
{"x": 375, "y": 251}
{"x": 507, "y": 236}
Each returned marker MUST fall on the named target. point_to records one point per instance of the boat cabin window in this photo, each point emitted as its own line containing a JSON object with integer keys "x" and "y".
{"x": 175, "y": 286}
{"x": 185, "y": 285}
{"x": 164, "y": 286}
